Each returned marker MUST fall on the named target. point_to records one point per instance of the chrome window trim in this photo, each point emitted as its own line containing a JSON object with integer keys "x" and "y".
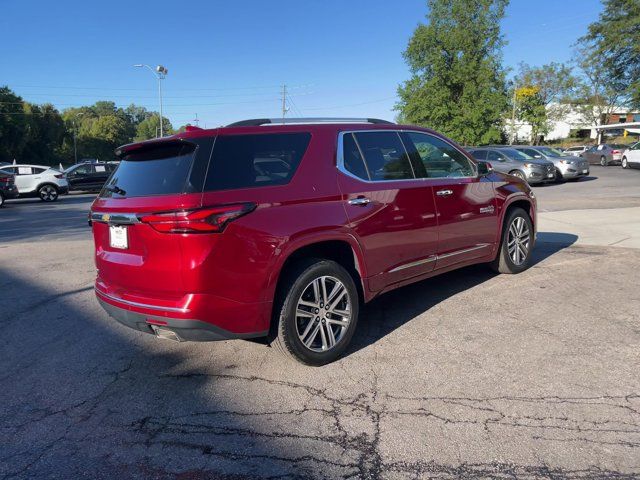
{"x": 340, "y": 156}
{"x": 342, "y": 169}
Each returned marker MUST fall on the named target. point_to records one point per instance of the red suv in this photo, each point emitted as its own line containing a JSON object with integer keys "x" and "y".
{"x": 282, "y": 230}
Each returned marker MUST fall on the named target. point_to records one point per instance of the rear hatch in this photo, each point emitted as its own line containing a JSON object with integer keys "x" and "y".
{"x": 134, "y": 257}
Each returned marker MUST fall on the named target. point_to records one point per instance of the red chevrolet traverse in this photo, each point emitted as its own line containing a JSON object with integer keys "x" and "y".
{"x": 282, "y": 230}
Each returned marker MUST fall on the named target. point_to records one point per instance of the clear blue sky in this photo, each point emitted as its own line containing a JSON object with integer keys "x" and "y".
{"x": 226, "y": 59}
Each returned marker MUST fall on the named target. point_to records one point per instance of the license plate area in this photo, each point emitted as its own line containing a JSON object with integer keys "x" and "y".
{"x": 118, "y": 237}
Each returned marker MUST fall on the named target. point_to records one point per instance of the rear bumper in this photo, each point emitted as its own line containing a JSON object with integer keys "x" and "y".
{"x": 11, "y": 192}
{"x": 187, "y": 328}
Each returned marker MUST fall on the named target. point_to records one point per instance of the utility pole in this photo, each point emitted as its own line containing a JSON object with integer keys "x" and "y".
{"x": 196, "y": 121}
{"x": 284, "y": 102}
{"x": 513, "y": 116}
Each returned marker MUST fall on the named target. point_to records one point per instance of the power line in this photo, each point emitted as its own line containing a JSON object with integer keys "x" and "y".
{"x": 295, "y": 87}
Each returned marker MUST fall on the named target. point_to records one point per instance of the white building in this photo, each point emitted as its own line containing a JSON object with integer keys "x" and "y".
{"x": 572, "y": 120}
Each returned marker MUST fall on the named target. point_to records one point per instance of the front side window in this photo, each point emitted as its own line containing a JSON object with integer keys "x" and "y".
{"x": 384, "y": 155}
{"x": 441, "y": 159}
{"x": 479, "y": 154}
{"x": 245, "y": 161}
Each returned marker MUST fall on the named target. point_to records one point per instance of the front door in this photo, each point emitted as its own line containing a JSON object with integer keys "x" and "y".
{"x": 465, "y": 202}
{"x": 392, "y": 212}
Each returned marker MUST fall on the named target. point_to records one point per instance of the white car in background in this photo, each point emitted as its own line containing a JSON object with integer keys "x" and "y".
{"x": 41, "y": 181}
{"x": 631, "y": 156}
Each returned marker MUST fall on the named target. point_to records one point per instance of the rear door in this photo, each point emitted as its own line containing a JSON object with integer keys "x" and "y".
{"x": 633, "y": 155}
{"x": 81, "y": 177}
{"x": 99, "y": 176}
{"x": 391, "y": 211}
{"x": 24, "y": 179}
{"x": 465, "y": 202}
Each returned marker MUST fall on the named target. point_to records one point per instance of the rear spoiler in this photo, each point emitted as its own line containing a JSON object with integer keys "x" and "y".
{"x": 156, "y": 142}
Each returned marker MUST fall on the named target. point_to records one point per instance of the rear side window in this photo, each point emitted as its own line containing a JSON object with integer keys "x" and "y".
{"x": 384, "y": 155}
{"x": 353, "y": 162}
{"x": 245, "y": 161}
{"x": 157, "y": 170}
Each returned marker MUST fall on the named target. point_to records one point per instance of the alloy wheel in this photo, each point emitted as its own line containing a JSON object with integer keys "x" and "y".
{"x": 603, "y": 161}
{"x": 48, "y": 193}
{"x": 323, "y": 314}
{"x": 518, "y": 241}
{"x": 625, "y": 164}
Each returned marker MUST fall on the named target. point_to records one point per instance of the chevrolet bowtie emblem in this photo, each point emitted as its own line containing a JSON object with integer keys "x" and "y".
{"x": 106, "y": 217}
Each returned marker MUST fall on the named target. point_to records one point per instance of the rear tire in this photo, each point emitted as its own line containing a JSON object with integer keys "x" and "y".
{"x": 603, "y": 161}
{"x": 625, "y": 162}
{"x": 316, "y": 312}
{"x": 1, "y": 200}
{"x": 48, "y": 193}
{"x": 516, "y": 243}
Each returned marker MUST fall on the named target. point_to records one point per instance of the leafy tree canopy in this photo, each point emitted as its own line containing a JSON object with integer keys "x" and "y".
{"x": 614, "y": 43}
{"x": 457, "y": 83}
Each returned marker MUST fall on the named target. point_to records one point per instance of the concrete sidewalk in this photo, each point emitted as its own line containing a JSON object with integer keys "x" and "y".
{"x": 619, "y": 227}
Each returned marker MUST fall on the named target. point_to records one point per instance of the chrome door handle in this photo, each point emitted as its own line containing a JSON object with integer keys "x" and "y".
{"x": 444, "y": 193}
{"x": 361, "y": 201}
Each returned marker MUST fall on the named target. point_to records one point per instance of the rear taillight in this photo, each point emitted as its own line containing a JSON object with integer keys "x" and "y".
{"x": 60, "y": 176}
{"x": 204, "y": 220}
{"x": 6, "y": 180}
{"x": 615, "y": 152}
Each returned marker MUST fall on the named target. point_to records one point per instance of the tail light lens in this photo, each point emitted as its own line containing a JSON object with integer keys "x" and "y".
{"x": 615, "y": 152}
{"x": 204, "y": 220}
{"x": 6, "y": 180}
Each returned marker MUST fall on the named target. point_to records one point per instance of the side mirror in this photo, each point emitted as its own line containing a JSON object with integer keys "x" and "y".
{"x": 484, "y": 168}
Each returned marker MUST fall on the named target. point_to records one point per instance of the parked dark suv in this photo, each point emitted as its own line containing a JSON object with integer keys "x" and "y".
{"x": 8, "y": 187}
{"x": 282, "y": 229}
{"x": 89, "y": 176}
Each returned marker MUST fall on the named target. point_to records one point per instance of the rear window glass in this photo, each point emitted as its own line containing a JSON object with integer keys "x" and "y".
{"x": 245, "y": 161}
{"x": 159, "y": 170}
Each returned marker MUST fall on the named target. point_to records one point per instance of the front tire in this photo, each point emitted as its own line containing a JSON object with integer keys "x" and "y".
{"x": 316, "y": 312}
{"x": 48, "y": 193}
{"x": 625, "y": 162}
{"x": 516, "y": 244}
{"x": 603, "y": 161}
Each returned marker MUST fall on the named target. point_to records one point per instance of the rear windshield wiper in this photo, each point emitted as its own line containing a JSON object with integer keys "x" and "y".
{"x": 115, "y": 189}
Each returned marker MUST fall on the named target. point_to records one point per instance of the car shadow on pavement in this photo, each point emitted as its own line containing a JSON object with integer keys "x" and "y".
{"x": 419, "y": 297}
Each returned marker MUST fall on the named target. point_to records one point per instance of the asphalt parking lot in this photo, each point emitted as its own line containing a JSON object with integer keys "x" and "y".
{"x": 467, "y": 375}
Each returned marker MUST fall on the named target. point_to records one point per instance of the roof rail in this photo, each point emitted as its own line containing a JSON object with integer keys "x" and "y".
{"x": 298, "y": 121}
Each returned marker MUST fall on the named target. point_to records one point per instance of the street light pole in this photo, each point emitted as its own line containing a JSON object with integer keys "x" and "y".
{"x": 160, "y": 73}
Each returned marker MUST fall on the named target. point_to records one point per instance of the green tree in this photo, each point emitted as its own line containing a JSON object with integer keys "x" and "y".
{"x": 597, "y": 93}
{"x": 544, "y": 95}
{"x": 614, "y": 42}
{"x": 150, "y": 127}
{"x": 457, "y": 82}
{"x": 13, "y": 125}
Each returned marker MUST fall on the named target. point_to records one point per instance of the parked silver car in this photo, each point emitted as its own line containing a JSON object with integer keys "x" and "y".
{"x": 508, "y": 160}
{"x": 604, "y": 154}
{"x": 567, "y": 167}
{"x": 576, "y": 150}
